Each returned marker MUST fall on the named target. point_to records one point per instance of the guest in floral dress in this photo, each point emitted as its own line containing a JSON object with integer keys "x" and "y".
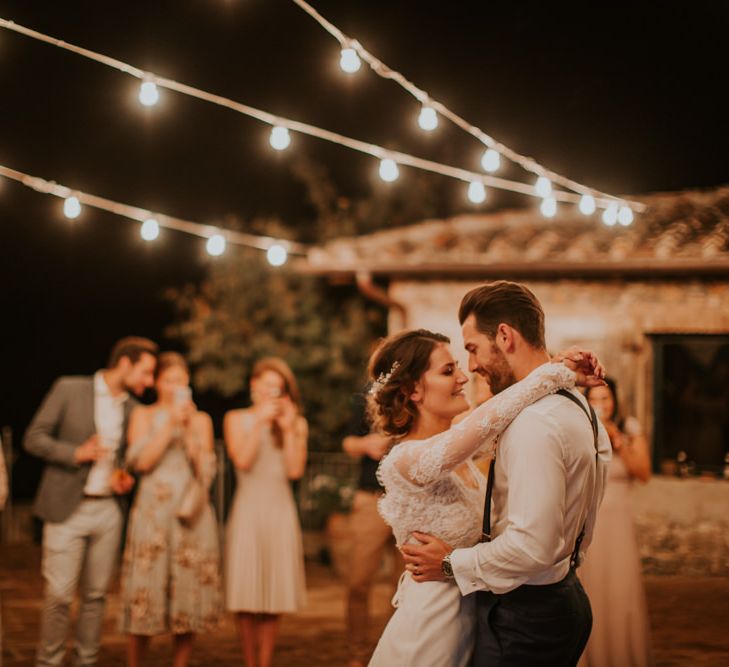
{"x": 171, "y": 570}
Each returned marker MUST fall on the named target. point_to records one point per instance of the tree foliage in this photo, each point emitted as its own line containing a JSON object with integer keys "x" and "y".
{"x": 246, "y": 309}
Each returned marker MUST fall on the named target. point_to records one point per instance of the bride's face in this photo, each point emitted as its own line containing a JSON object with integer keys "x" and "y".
{"x": 440, "y": 390}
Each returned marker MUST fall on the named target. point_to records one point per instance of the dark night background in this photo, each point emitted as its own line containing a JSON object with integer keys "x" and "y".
{"x": 620, "y": 96}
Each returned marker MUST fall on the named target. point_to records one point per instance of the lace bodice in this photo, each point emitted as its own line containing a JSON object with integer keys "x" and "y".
{"x": 422, "y": 491}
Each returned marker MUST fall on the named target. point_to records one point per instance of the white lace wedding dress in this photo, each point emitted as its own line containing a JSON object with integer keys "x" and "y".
{"x": 433, "y": 625}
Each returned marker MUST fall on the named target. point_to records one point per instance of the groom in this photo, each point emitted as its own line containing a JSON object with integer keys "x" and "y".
{"x": 547, "y": 481}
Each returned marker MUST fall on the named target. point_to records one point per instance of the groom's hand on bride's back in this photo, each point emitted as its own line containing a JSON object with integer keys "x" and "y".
{"x": 590, "y": 372}
{"x": 424, "y": 561}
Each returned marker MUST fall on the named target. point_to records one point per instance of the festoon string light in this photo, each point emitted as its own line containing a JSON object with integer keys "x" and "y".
{"x": 277, "y": 250}
{"x": 389, "y": 160}
{"x": 491, "y": 158}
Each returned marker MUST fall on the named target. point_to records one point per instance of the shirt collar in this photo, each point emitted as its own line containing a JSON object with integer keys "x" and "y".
{"x": 102, "y": 389}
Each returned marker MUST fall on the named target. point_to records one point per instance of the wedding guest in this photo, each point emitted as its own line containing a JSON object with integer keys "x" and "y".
{"x": 611, "y": 573}
{"x": 3, "y": 479}
{"x": 264, "y": 563}
{"x": 79, "y": 432}
{"x": 171, "y": 571}
{"x": 370, "y": 535}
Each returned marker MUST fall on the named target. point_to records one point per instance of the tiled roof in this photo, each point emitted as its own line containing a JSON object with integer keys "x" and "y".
{"x": 681, "y": 233}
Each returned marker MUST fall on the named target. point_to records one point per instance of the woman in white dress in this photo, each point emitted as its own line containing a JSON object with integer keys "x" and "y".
{"x": 433, "y": 486}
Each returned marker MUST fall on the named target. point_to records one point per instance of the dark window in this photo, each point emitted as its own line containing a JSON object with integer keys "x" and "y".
{"x": 691, "y": 400}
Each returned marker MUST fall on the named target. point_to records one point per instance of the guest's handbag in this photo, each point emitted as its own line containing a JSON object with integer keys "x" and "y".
{"x": 193, "y": 501}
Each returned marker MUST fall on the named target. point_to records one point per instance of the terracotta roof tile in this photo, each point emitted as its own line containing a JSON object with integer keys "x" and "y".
{"x": 676, "y": 228}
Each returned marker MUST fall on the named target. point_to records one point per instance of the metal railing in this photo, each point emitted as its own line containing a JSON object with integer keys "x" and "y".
{"x": 327, "y": 485}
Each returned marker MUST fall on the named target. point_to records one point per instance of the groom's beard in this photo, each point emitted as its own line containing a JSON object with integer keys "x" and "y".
{"x": 498, "y": 373}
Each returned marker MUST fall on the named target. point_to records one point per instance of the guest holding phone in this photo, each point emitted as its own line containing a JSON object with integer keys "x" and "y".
{"x": 611, "y": 573}
{"x": 171, "y": 571}
{"x": 264, "y": 555}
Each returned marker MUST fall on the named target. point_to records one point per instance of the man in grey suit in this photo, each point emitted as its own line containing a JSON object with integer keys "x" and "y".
{"x": 80, "y": 433}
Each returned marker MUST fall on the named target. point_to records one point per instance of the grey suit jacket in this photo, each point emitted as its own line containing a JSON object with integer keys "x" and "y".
{"x": 64, "y": 421}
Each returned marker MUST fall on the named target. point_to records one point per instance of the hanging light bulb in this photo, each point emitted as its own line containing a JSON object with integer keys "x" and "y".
{"x": 543, "y": 186}
{"x": 587, "y": 204}
{"x": 476, "y": 192}
{"x": 388, "y": 170}
{"x": 625, "y": 216}
{"x": 349, "y": 60}
{"x": 277, "y": 255}
{"x": 491, "y": 160}
{"x": 280, "y": 138}
{"x": 148, "y": 93}
{"x": 549, "y": 207}
{"x": 215, "y": 245}
{"x": 610, "y": 215}
{"x": 150, "y": 229}
{"x": 71, "y": 207}
{"x": 428, "y": 118}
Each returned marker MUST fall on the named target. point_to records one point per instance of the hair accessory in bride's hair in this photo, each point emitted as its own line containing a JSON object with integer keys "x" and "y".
{"x": 383, "y": 379}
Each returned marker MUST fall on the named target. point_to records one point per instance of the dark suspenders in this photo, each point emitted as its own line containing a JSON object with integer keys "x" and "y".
{"x": 486, "y": 532}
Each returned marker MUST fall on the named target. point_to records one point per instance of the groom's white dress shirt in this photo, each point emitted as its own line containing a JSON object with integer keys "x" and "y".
{"x": 547, "y": 485}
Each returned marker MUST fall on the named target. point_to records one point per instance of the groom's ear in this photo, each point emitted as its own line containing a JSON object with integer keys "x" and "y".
{"x": 505, "y": 338}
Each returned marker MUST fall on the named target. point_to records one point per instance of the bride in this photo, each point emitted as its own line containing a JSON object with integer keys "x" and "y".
{"x": 431, "y": 483}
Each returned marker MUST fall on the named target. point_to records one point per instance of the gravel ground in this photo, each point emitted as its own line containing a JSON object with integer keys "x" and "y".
{"x": 689, "y": 617}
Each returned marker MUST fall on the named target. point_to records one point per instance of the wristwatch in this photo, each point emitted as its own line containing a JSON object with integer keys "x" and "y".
{"x": 445, "y": 566}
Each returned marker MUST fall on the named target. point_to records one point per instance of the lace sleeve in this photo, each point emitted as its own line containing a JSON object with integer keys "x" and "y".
{"x": 438, "y": 455}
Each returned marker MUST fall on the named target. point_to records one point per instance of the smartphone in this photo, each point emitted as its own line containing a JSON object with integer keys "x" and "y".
{"x": 183, "y": 395}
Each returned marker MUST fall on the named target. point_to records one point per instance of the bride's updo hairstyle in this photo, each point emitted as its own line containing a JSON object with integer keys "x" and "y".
{"x": 395, "y": 366}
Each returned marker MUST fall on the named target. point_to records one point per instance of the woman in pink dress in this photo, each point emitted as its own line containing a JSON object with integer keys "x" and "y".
{"x": 611, "y": 573}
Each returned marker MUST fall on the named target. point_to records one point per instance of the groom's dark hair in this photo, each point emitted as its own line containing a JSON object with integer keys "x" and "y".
{"x": 507, "y": 302}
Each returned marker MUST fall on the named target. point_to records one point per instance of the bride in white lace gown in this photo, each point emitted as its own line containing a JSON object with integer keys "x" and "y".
{"x": 432, "y": 484}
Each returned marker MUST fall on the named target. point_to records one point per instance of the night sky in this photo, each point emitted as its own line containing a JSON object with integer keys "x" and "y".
{"x": 620, "y": 96}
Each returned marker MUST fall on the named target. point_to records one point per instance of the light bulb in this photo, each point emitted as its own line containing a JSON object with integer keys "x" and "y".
{"x": 549, "y": 207}
{"x": 543, "y": 186}
{"x": 350, "y": 61}
{"x": 150, "y": 229}
{"x": 428, "y": 118}
{"x": 610, "y": 215}
{"x": 625, "y": 216}
{"x": 587, "y": 204}
{"x": 216, "y": 245}
{"x": 71, "y": 207}
{"x": 148, "y": 93}
{"x": 388, "y": 170}
{"x": 277, "y": 255}
{"x": 491, "y": 160}
{"x": 476, "y": 192}
{"x": 280, "y": 137}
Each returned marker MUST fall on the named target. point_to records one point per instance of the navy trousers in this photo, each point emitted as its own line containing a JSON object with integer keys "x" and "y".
{"x": 540, "y": 626}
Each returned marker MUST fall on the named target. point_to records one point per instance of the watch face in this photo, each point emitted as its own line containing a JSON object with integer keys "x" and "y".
{"x": 446, "y": 567}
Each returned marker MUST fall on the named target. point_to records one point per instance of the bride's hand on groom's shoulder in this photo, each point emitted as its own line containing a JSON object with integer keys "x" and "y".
{"x": 425, "y": 560}
{"x": 590, "y": 372}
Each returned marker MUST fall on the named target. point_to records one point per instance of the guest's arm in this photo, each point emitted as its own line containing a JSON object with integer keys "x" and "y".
{"x": 147, "y": 445}
{"x": 40, "y": 438}
{"x": 243, "y": 444}
{"x": 373, "y": 445}
{"x": 294, "y": 448}
{"x": 201, "y": 447}
{"x": 632, "y": 446}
